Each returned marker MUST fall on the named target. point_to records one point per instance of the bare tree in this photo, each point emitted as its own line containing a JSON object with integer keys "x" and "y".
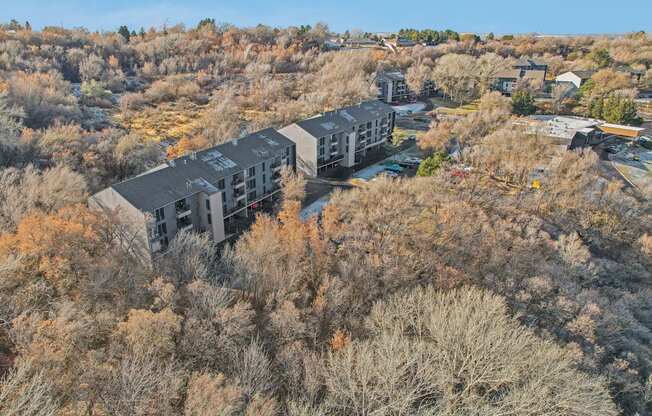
{"x": 417, "y": 75}
{"x": 27, "y": 190}
{"x": 457, "y": 353}
{"x": 139, "y": 385}
{"x": 25, "y": 391}
{"x": 455, "y": 75}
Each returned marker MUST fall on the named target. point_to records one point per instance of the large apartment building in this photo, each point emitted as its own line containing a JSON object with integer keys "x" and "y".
{"x": 393, "y": 88}
{"x": 342, "y": 137}
{"x": 213, "y": 191}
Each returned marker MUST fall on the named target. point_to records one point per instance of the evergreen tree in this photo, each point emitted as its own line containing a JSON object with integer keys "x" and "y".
{"x": 124, "y": 32}
{"x": 523, "y": 103}
{"x": 432, "y": 164}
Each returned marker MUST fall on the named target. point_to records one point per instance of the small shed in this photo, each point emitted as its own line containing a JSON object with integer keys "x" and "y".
{"x": 621, "y": 130}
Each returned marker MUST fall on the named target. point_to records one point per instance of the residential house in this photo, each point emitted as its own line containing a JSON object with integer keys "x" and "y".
{"x": 404, "y": 42}
{"x": 636, "y": 74}
{"x": 526, "y": 64}
{"x": 356, "y": 43}
{"x": 213, "y": 191}
{"x": 577, "y": 78}
{"x": 508, "y": 80}
{"x": 343, "y": 137}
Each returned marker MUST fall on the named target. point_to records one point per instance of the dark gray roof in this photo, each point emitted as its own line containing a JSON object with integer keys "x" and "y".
{"x": 345, "y": 118}
{"x": 394, "y": 75}
{"x": 630, "y": 70}
{"x": 584, "y": 74}
{"x": 200, "y": 171}
{"x": 528, "y": 62}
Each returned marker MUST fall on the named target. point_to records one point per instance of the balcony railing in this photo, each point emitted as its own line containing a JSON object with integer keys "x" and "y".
{"x": 184, "y": 223}
{"x": 239, "y": 193}
{"x": 238, "y": 180}
{"x": 239, "y": 206}
{"x": 323, "y": 162}
{"x": 276, "y": 165}
{"x": 181, "y": 206}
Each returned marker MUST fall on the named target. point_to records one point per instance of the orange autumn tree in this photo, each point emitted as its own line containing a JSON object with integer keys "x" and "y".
{"x": 60, "y": 247}
{"x": 286, "y": 255}
{"x": 186, "y": 145}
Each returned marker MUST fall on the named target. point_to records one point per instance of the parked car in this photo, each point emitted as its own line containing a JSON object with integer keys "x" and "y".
{"x": 612, "y": 149}
{"x": 394, "y": 168}
{"x": 410, "y": 162}
{"x": 645, "y": 142}
{"x": 387, "y": 173}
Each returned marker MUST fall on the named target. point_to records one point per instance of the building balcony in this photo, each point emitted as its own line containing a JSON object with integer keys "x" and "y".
{"x": 238, "y": 207}
{"x": 238, "y": 180}
{"x": 184, "y": 223}
{"x": 324, "y": 162}
{"x": 181, "y": 206}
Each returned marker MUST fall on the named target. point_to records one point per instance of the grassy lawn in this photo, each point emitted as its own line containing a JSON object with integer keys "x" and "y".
{"x": 401, "y": 134}
{"x": 446, "y": 106}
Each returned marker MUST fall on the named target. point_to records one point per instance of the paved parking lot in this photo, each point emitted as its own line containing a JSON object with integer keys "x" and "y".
{"x": 315, "y": 206}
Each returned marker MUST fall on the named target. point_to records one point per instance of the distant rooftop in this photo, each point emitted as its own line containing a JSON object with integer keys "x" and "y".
{"x": 200, "y": 171}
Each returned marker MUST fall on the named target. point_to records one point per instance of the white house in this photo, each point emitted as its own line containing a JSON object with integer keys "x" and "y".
{"x": 577, "y": 78}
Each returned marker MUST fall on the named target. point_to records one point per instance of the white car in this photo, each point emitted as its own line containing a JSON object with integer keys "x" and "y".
{"x": 389, "y": 174}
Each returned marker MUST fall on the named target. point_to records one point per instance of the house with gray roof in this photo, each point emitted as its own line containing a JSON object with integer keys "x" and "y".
{"x": 507, "y": 81}
{"x": 527, "y": 64}
{"x": 344, "y": 137}
{"x": 212, "y": 191}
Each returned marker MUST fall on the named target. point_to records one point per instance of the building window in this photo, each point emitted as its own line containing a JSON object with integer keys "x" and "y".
{"x": 287, "y": 151}
{"x": 162, "y": 229}
{"x": 220, "y": 184}
{"x": 321, "y": 151}
{"x": 322, "y": 140}
{"x": 210, "y": 220}
{"x": 160, "y": 214}
{"x": 208, "y": 205}
{"x": 252, "y": 196}
{"x": 252, "y": 171}
{"x": 223, "y": 197}
{"x": 264, "y": 178}
{"x": 263, "y": 166}
{"x": 251, "y": 183}
{"x": 264, "y": 190}
{"x": 181, "y": 205}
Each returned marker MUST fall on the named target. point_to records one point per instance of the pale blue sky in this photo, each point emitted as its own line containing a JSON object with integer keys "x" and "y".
{"x": 499, "y": 16}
